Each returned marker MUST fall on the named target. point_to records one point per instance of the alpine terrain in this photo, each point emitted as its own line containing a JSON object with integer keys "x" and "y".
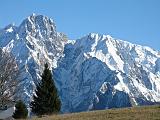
{"x": 94, "y": 72}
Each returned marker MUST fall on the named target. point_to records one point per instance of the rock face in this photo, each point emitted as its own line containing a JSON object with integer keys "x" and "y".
{"x": 94, "y": 72}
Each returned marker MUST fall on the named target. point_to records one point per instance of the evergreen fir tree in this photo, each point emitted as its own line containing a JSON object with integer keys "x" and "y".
{"x": 46, "y": 100}
{"x": 21, "y": 111}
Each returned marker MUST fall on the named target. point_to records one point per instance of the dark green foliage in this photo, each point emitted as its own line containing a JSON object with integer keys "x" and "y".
{"x": 21, "y": 111}
{"x": 46, "y": 101}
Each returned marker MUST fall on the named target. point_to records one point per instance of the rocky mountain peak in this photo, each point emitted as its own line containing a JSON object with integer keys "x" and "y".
{"x": 33, "y": 43}
{"x": 38, "y": 26}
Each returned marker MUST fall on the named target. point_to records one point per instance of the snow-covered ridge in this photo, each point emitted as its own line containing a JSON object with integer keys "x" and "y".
{"x": 94, "y": 72}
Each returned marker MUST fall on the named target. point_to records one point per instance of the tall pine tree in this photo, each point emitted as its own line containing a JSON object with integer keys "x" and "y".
{"x": 46, "y": 100}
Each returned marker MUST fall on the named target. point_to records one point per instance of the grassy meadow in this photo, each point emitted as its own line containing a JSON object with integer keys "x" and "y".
{"x": 134, "y": 113}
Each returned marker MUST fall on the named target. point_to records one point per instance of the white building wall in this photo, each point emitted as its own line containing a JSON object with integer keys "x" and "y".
{"x": 6, "y": 113}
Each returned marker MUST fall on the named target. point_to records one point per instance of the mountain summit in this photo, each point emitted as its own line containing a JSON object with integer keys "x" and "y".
{"x": 94, "y": 72}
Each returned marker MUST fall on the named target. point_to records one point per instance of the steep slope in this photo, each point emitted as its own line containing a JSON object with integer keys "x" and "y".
{"x": 33, "y": 43}
{"x": 100, "y": 72}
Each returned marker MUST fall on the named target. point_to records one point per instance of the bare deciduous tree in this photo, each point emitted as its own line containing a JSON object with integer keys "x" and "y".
{"x": 8, "y": 76}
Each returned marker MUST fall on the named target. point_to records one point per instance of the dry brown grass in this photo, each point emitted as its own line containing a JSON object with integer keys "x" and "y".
{"x": 134, "y": 113}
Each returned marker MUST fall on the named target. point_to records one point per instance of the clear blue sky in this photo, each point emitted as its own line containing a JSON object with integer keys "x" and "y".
{"x": 136, "y": 21}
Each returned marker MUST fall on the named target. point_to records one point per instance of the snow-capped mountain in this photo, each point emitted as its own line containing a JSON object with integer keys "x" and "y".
{"x": 33, "y": 43}
{"x": 100, "y": 72}
{"x": 94, "y": 72}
